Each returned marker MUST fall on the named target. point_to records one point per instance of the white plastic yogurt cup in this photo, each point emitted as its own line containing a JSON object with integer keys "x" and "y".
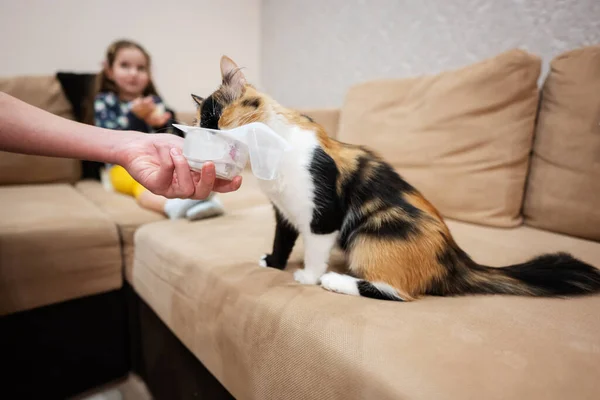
{"x": 202, "y": 145}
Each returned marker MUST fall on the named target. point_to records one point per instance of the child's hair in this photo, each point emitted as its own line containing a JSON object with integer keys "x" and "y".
{"x": 103, "y": 83}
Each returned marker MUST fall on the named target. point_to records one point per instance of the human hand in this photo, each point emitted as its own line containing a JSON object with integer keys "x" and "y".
{"x": 157, "y": 163}
{"x": 153, "y": 114}
{"x": 156, "y": 119}
{"x": 143, "y": 107}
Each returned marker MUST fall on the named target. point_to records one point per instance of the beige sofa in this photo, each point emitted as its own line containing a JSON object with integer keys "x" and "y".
{"x": 514, "y": 169}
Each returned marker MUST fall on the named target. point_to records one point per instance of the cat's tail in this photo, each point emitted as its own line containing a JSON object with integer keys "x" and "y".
{"x": 549, "y": 275}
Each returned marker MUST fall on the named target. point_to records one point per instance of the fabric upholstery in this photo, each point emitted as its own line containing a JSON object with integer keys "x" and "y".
{"x": 55, "y": 245}
{"x": 501, "y": 247}
{"x": 46, "y": 93}
{"x": 129, "y": 216}
{"x": 186, "y": 117}
{"x": 43, "y": 91}
{"x": 248, "y": 195}
{"x": 266, "y": 337}
{"x": 564, "y": 185}
{"x": 462, "y": 137}
{"x": 122, "y": 210}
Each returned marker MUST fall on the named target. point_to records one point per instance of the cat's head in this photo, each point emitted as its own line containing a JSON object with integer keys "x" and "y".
{"x": 234, "y": 103}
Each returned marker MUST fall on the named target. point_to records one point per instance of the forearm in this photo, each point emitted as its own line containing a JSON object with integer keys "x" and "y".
{"x": 30, "y": 130}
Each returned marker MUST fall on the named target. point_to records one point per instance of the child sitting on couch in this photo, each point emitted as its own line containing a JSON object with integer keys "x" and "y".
{"x": 125, "y": 98}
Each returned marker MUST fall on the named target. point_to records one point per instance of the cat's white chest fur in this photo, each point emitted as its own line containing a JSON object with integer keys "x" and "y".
{"x": 292, "y": 192}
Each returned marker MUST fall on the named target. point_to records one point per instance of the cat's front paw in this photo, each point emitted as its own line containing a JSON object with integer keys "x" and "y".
{"x": 306, "y": 277}
{"x": 264, "y": 261}
{"x": 268, "y": 260}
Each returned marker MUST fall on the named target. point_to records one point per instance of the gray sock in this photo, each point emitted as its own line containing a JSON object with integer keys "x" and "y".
{"x": 176, "y": 208}
{"x": 211, "y": 207}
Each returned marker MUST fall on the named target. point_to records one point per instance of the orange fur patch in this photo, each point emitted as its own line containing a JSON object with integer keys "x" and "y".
{"x": 419, "y": 201}
{"x": 407, "y": 265}
{"x": 236, "y": 114}
{"x": 198, "y": 114}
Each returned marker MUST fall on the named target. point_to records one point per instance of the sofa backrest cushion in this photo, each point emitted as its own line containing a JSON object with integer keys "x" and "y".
{"x": 46, "y": 93}
{"x": 462, "y": 137}
{"x": 563, "y": 190}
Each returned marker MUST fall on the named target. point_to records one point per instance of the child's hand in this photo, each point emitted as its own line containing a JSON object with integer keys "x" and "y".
{"x": 156, "y": 119}
{"x": 143, "y": 107}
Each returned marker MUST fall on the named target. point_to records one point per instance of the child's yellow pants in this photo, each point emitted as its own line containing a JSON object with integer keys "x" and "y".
{"x": 123, "y": 182}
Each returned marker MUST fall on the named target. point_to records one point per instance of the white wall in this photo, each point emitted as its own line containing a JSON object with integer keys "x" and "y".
{"x": 313, "y": 50}
{"x": 306, "y": 53}
{"x": 186, "y": 39}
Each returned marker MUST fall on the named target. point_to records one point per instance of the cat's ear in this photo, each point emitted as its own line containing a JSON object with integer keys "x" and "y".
{"x": 231, "y": 74}
{"x": 197, "y": 99}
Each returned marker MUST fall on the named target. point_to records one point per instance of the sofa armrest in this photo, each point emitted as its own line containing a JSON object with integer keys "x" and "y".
{"x": 121, "y": 209}
{"x": 329, "y": 118}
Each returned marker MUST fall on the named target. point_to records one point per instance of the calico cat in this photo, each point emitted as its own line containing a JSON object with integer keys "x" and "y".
{"x": 396, "y": 242}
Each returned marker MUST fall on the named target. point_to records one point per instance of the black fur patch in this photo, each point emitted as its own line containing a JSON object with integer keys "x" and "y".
{"x": 455, "y": 261}
{"x": 328, "y": 214}
{"x": 351, "y": 187}
{"x": 557, "y": 274}
{"x": 252, "y": 102}
{"x": 367, "y": 289}
{"x": 398, "y": 228}
{"x": 210, "y": 113}
{"x": 386, "y": 186}
{"x": 283, "y": 244}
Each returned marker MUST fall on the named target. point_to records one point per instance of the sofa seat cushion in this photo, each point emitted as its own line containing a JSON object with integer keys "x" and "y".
{"x": 247, "y": 196}
{"x": 264, "y": 336}
{"x": 55, "y": 245}
{"x": 124, "y": 211}
{"x": 498, "y": 247}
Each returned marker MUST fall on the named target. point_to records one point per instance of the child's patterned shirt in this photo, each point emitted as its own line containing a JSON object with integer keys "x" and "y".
{"x": 112, "y": 113}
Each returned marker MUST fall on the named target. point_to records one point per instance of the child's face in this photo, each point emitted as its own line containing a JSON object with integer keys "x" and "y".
{"x": 130, "y": 72}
